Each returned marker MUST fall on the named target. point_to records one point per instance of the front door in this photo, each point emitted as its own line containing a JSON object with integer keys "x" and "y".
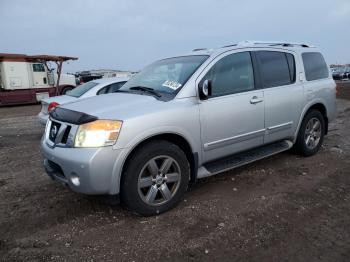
{"x": 39, "y": 75}
{"x": 232, "y": 118}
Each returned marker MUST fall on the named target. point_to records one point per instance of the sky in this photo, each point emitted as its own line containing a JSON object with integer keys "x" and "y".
{"x": 129, "y": 34}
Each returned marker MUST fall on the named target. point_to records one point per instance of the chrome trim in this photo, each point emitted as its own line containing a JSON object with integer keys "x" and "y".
{"x": 234, "y": 139}
{"x": 61, "y": 131}
{"x": 273, "y": 129}
{"x": 47, "y": 134}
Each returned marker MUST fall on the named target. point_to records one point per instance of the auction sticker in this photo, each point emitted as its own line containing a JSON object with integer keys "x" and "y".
{"x": 171, "y": 84}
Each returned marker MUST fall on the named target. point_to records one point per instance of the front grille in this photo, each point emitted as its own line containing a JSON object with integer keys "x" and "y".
{"x": 65, "y": 135}
{"x": 55, "y": 128}
{"x": 60, "y": 134}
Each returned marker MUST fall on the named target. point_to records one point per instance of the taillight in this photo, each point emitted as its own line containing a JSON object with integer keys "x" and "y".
{"x": 52, "y": 106}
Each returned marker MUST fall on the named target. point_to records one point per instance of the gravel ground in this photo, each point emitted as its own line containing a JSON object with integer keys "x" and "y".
{"x": 284, "y": 208}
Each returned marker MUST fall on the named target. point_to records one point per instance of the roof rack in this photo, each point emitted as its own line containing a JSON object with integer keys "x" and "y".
{"x": 273, "y": 43}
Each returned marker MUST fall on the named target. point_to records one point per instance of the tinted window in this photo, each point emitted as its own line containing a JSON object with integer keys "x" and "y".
{"x": 115, "y": 87}
{"x": 112, "y": 88}
{"x": 291, "y": 65}
{"x": 315, "y": 66}
{"x": 103, "y": 90}
{"x": 82, "y": 89}
{"x": 231, "y": 74}
{"x": 276, "y": 68}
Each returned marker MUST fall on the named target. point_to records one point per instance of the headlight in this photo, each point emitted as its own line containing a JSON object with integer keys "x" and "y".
{"x": 98, "y": 133}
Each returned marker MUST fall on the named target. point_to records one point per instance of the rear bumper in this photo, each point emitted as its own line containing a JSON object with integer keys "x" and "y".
{"x": 93, "y": 171}
{"x": 43, "y": 118}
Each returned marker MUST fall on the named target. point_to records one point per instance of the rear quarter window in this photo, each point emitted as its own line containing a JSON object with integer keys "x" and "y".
{"x": 315, "y": 66}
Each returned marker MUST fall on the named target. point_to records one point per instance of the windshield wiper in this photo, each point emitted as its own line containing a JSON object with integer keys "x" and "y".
{"x": 146, "y": 89}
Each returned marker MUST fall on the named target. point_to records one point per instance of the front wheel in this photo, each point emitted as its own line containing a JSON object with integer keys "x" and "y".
{"x": 155, "y": 179}
{"x": 311, "y": 134}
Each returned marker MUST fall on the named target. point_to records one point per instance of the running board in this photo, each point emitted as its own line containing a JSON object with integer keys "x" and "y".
{"x": 243, "y": 158}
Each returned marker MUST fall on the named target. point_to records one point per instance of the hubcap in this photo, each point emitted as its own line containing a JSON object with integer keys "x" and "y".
{"x": 159, "y": 180}
{"x": 313, "y": 133}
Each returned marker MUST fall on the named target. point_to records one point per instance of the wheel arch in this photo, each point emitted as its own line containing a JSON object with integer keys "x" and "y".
{"x": 320, "y": 106}
{"x": 174, "y": 138}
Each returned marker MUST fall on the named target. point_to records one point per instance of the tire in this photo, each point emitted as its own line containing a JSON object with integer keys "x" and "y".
{"x": 304, "y": 145}
{"x": 65, "y": 90}
{"x": 149, "y": 168}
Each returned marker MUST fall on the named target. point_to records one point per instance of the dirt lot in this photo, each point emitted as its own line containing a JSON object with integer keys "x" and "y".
{"x": 284, "y": 208}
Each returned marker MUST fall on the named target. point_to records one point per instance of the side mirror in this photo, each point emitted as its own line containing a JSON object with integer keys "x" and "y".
{"x": 205, "y": 89}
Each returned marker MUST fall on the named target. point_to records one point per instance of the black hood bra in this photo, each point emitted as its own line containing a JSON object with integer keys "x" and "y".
{"x": 70, "y": 116}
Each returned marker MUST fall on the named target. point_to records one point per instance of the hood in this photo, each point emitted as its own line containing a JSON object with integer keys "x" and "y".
{"x": 117, "y": 106}
{"x": 59, "y": 99}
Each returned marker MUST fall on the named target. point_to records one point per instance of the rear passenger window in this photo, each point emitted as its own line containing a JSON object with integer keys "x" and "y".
{"x": 232, "y": 74}
{"x": 276, "y": 68}
{"x": 315, "y": 66}
{"x": 102, "y": 90}
{"x": 115, "y": 87}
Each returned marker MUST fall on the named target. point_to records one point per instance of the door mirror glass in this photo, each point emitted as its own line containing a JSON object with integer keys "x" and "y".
{"x": 205, "y": 89}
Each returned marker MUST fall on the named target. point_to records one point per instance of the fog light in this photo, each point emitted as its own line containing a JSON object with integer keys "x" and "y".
{"x": 75, "y": 180}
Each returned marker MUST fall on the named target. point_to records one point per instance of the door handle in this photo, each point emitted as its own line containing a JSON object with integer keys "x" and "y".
{"x": 255, "y": 100}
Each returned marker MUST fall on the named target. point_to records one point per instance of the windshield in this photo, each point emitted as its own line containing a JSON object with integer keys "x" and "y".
{"x": 165, "y": 76}
{"x": 82, "y": 89}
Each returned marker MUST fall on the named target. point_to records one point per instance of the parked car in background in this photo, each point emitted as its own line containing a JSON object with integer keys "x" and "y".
{"x": 338, "y": 74}
{"x": 189, "y": 117}
{"x": 341, "y": 73}
{"x": 347, "y": 73}
{"x": 89, "y": 89}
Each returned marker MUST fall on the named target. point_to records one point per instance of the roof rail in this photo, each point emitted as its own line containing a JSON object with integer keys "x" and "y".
{"x": 229, "y": 45}
{"x": 273, "y": 43}
{"x": 199, "y": 49}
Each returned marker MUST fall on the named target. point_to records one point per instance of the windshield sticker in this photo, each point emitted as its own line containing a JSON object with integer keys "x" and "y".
{"x": 171, "y": 84}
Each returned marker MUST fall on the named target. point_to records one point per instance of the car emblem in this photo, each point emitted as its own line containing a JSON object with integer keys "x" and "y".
{"x": 54, "y": 131}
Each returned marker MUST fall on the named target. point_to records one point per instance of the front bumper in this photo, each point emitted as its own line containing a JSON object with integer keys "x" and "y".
{"x": 97, "y": 169}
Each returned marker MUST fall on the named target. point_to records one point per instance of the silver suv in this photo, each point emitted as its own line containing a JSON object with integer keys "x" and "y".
{"x": 189, "y": 117}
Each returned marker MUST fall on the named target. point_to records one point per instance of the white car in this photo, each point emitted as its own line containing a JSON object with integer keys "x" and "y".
{"x": 89, "y": 89}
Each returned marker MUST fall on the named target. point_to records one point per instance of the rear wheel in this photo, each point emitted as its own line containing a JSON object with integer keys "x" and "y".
{"x": 311, "y": 134}
{"x": 155, "y": 179}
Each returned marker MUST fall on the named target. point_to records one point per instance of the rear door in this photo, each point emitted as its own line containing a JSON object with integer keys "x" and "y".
{"x": 232, "y": 118}
{"x": 283, "y": 93}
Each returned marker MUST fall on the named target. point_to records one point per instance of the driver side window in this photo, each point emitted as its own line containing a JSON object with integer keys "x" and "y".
{"x": 232, "y": 74}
